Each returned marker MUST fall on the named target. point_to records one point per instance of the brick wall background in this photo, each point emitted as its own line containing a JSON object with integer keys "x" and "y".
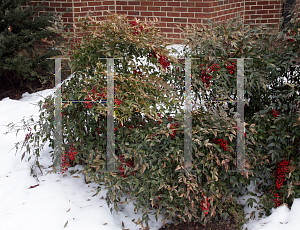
{"x": 173, "y": 12}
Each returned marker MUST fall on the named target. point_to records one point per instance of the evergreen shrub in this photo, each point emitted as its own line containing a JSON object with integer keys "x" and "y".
{"x": 22, "y": 58}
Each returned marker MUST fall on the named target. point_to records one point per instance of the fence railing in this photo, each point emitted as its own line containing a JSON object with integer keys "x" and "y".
{"x": 110, "y": 150}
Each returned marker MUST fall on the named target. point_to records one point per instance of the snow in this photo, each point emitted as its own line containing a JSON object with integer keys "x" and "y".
{"x": 67, "y": 201}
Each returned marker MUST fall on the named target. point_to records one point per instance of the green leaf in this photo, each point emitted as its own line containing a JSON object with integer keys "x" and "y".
{"x": 141, "y": 189}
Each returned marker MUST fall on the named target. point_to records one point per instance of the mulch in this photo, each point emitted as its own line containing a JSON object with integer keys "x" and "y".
{"x": 192, "y": 226}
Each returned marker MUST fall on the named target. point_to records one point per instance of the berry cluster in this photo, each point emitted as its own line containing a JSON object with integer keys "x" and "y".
{"x": 206, "y": 202}
{"x": 128, "y": 164}
{"x": 222, "y": 142}
{"x": 67, "y": 157}
{"x": 47, "y": 105}
{"x": 137, "y": 72}
{"x": 136, "y": 31}
{"x": 282, "y": 168}
{"x": 275, "y": 113}
{"x": 288, "y": 34}
{"x": 206, "y": 73}
{"x": 28, "y": 134}
{"x": 152, "y": 135}
{"x": 174, "y": 126}
{"x": 162, "y": 60}
{"x": 159, "y": 122}
{"x": 231, "y": 67}
{"x": 96, "y": 96}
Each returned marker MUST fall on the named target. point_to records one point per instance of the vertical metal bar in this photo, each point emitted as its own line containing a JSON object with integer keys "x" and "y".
{"x": 110, "y": 148}
{"x": 240, "y": 116}
{"x": 188, "y": 158}
{"x": 57, "y": 116}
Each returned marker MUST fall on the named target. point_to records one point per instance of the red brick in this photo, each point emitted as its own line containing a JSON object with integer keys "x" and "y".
{"x": 256, "y": 7}
{"x": 262, "y": 12}
{"x": 218, "y": 8}
{"x": 82, "y": 15}
{"x": 160, "y": 14}
{"x": 85, "y": 9}
{"x": 66, "y": 4}
{"x": 260, "y": 3}
{"x": 250, "y": 3}
{"x": 80, "y": 4}
{"x": 146, "y": 14}
{"x": 169, "y": 14}
{"x": 193, "y": 20}
{"x": 203, "y": 4}
{"x": 135, "y": 13}
{"x": 180, "y": 20}
{"x": 68, "y": 15}
{"x": 255, "y": 16}
{"x": 167, "y": 9}
{"x": 277, "y": 15}
{"x": 166, "y": 30}
{"x": 121, "y": 3}
{"x": 94, "y": 3}
{"x": 141, "y": 8}
{"x": 55, "y": 4}
{"x": 161, "y": 24}
{"x": 60, "y": 9}
{"x": 205, "y": 10}
{"x": 135, "y": 3}
{"x": 198, "y": 9}
{"x": 273, "y": 20}
{"x": 173, "y": 3}
{"x": 151, "y": 8}
{"x": 180, "y": 9}
{"x": 166, "y": 19}
{"x": 187, "y": 4}
{"x": 270, "y": 7}
{"x": 160, "y": 3}
{"x": 187, "y": 15}
{"x": 147, "y": 3}
{"x": 119, "y": 12}
{"x": 264, "y": 21}
{"x": 127, "y": 7}
{"x": 267, "y": 16}
{"x": 199, "y": 15}
{"x": 101, "y": 8}
{"x": 251, "y": 12}
{"x": 76, "y": 10}
{"x": 109, "y": 3}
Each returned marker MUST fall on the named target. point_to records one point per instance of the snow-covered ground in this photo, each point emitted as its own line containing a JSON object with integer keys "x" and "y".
{"x": 60, "y": 202}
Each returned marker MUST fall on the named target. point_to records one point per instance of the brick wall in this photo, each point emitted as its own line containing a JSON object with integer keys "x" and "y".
{"x": 263, "y": 12}
{"x": 173, "y": 12}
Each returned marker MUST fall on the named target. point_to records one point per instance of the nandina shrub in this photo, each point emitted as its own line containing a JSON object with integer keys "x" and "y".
{"x": 278, "y": 142}
{"x": 277, "y": 54}
{"x": 149, "y": 142}
{"x": 149, "y": 146}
